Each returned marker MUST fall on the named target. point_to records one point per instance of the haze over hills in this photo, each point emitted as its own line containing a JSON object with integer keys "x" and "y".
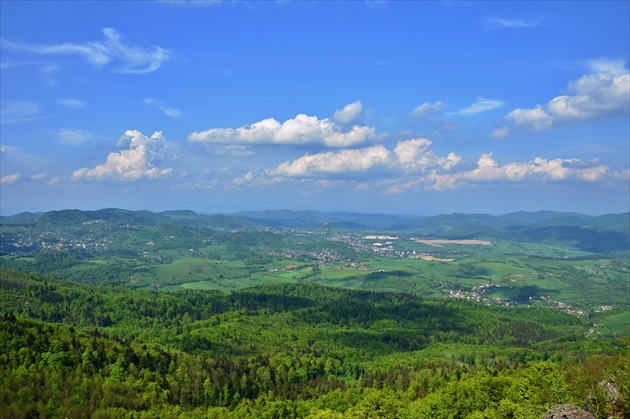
{"x": 289, "y": 218}
{"x": 602, "y": 233}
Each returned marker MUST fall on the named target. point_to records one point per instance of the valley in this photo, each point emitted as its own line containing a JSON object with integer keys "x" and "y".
{"x": 576, "y": 264}
{"x": 116, "y": 313}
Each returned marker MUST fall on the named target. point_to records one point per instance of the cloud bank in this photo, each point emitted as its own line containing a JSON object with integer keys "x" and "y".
{"x": 489, "y": 170}
{"x": 410, "y": 156}
{"x": 413, "y": 165}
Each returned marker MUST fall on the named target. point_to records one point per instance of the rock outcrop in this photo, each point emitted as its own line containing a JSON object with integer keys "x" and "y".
{"x": 567, "y": 411}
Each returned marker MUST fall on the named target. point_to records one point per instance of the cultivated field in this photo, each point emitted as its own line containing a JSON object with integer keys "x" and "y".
{"x": 438, "y": 243}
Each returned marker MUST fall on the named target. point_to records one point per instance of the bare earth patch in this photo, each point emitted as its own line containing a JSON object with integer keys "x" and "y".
{"x": 427, "y": 257}
{"x": 439, "y": 243}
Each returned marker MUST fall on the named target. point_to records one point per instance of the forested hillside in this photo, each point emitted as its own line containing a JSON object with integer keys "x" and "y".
{"x": 291, "y": 350}
{"x": 539, "y": 259}
{"x": 280, "y": 314}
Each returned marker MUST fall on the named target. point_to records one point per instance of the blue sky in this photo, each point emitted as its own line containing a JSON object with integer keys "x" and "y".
{"x": 377, "y": 106}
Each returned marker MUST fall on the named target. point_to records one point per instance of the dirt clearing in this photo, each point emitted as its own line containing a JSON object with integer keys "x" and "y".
{"x": 439, "y": 243}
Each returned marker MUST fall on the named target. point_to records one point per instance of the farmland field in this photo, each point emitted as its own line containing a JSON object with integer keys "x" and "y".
{"x": 501, "y": 266}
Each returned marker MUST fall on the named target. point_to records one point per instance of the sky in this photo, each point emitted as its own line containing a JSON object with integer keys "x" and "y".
{"x": 366, "y": 106}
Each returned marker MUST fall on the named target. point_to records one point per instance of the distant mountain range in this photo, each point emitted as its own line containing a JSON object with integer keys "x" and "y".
{"x": 348, "y": 220}
{"x": 599, "y": 234}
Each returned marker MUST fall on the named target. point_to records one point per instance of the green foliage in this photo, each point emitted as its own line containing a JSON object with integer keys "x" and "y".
{"x": 288, "y": 351}
{"x": 249, "y": 330}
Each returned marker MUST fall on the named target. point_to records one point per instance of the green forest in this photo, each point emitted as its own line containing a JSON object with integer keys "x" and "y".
{"x": 133, "y": 314}
{"x": 292, "y": 351}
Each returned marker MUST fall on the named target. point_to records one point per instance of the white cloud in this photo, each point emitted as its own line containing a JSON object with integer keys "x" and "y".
{"x": 349, "y": 113}
{"x": 595, "y": 95}
{"x": 10, "y": 178}
{"x": 488, "y": 169}
{"x": 343, "y": 161}
{"x": 501, "y": 132}
{"x": 481, "y": 105}
{"x": 414, "y": 156}
{"x": 244, "y": 179}
{"x": 136, "y": 160}
{"x": 302, "y": 129}
{"x": 412, "y": 153}
{"x": 502, "y": 22}
{"x": 410, "y": 156}
{"x": 39, "y": 176}
{"x": 69, "y": 136}
{"x": 591, "y": 97}
{"x": 14, "y": 112}
{"x": 602, "y": 65}
{"x": 71, "y": 103}
{"x": 168, "y": 111}
{"x": 450, "y": 161}
{"x": 427, "y": 108}
{"x": 131, "y": 58}
{"x": 593, "y": 174}
{"x": 536, "y": 119}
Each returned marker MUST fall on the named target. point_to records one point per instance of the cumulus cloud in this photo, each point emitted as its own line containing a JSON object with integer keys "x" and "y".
{"x": 415, "y": 156}
{"x": 130, "y": 58}
{"x": 69, "y": 136}
{"x": 349, "y": 113}
{"x": 412, "y": 153}
{"x": 168, "y": 111}
{"x": 427, "y": 108}
{"x": 535, "y": 119}
{"x": 591, "y": 97}
{"x": 136, "y": 160}
{"x": 10, "y": 178}
{"x": 343, "y": 161}
{"x": 71, "y": 103}
{"x": 481, "y": 105}
{"x": 449, "y": 161}
{"x": 489, "y": 170}
{"x": 410, "y": 156}
{"x": 302, "y": 129}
